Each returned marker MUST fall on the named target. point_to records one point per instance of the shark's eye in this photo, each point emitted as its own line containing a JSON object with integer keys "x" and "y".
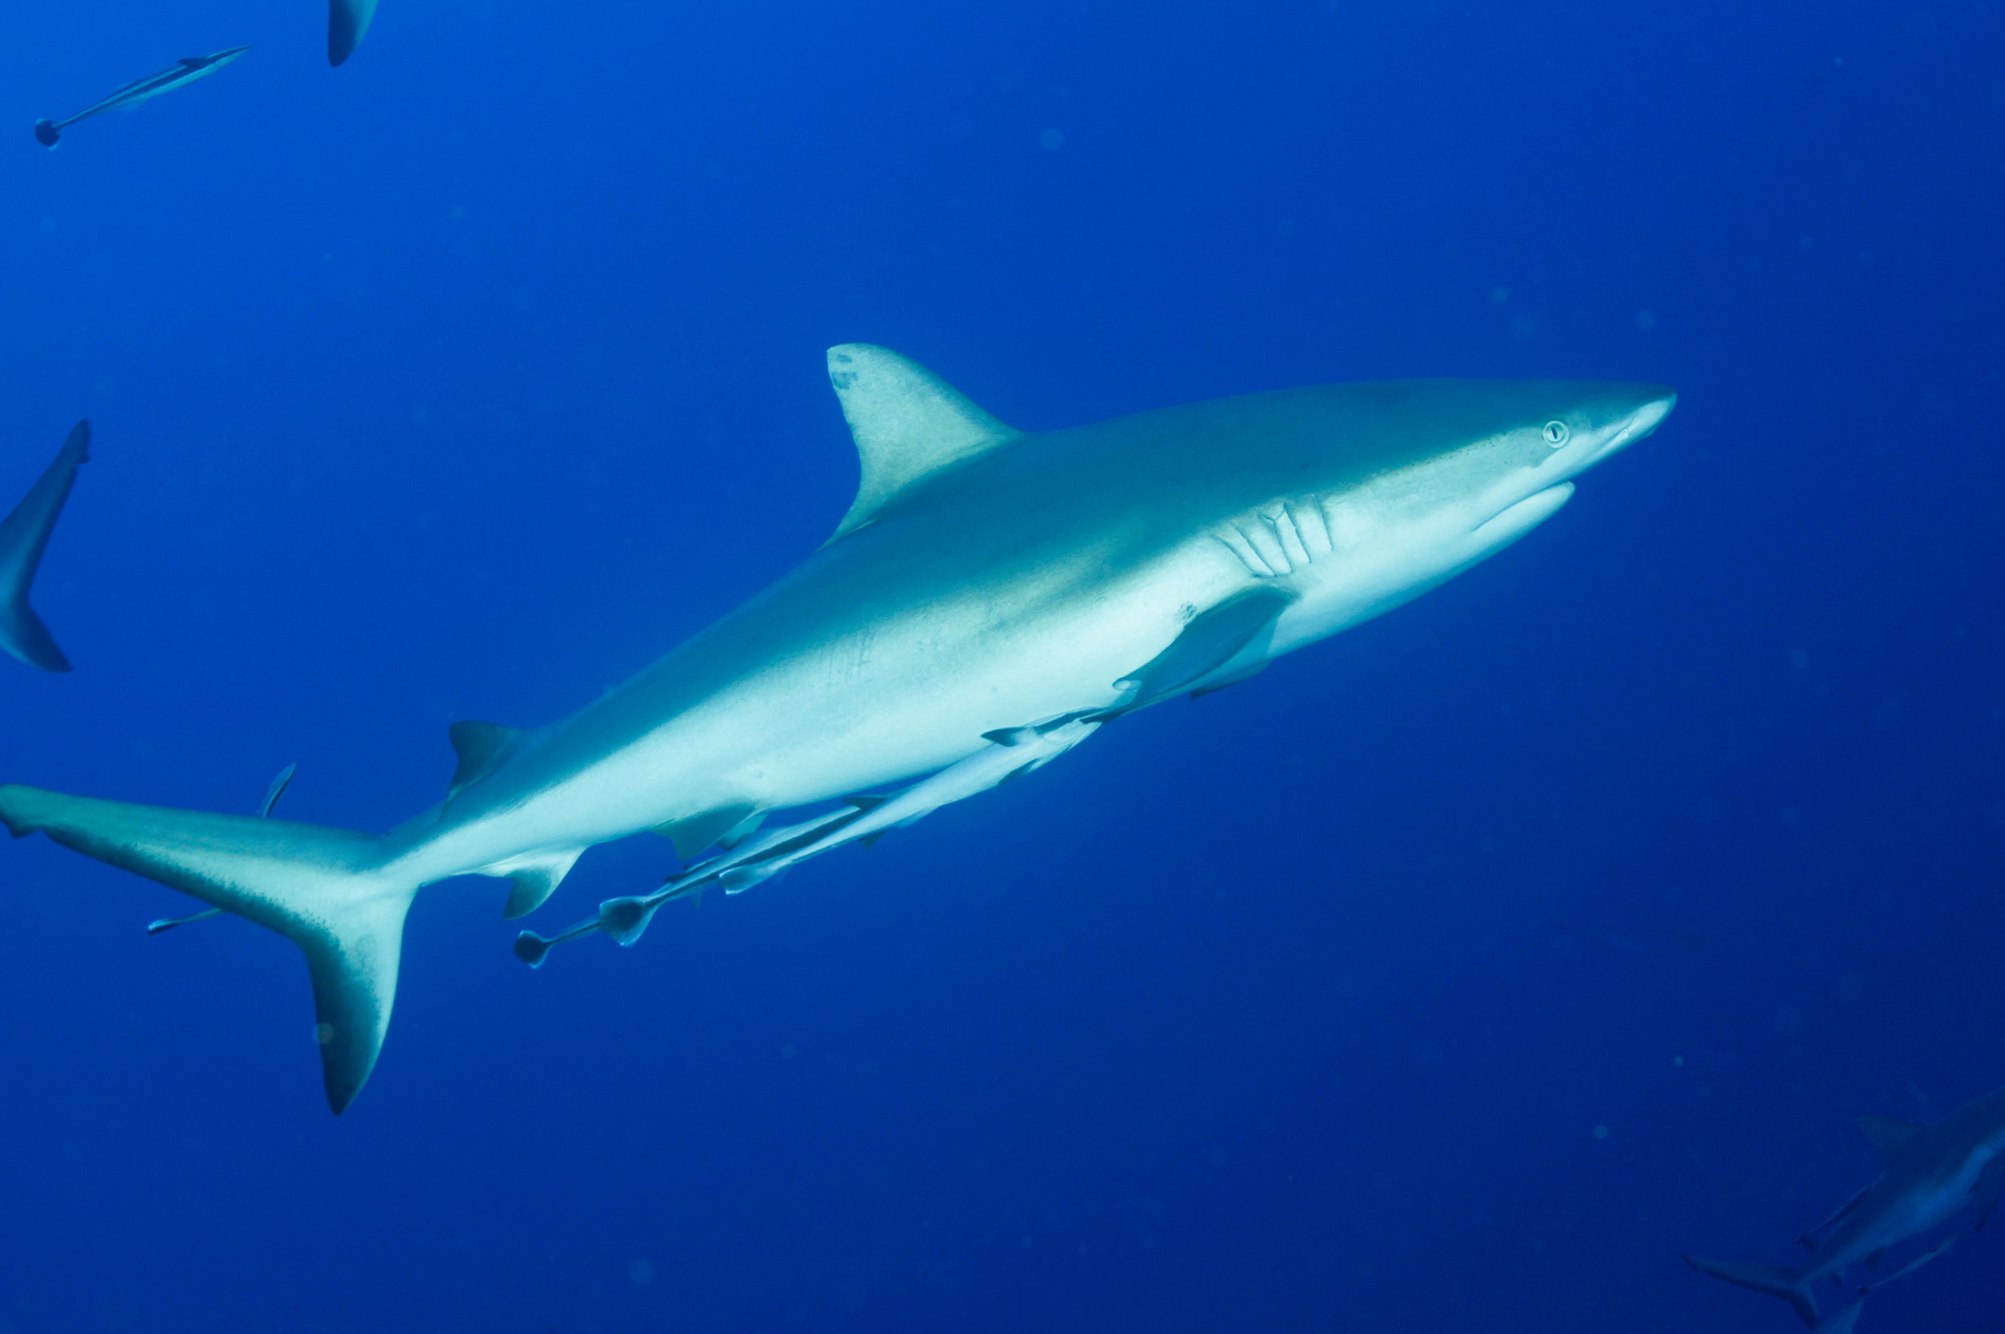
{"x": 1556, "y": 434}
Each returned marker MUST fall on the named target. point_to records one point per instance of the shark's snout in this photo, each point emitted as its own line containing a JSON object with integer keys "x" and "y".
{"x": 1656, "y": 405}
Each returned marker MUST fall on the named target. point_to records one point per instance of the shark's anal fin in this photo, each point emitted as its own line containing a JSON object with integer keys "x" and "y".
{"x": 482, "y": 748}
{"x": 24, "y": 536}
{"x": 1887, "y": 1133}
{"x": 1211, "y": 639}
{"x": 533, "y": 877}
{"x": 908, "y": 424}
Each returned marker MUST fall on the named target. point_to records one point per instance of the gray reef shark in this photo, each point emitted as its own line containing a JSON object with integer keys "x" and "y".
{"x": 24, "y": 536}
{"x": 985, "y": 579}
{"x": 1928, "y": 1175}
{"x": 347, "y": 21}
{"x": 178, "y": 75}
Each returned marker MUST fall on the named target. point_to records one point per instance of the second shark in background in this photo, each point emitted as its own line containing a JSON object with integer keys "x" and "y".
{"x": 24, "y": 536}
{"x": 1928, "y": 1175}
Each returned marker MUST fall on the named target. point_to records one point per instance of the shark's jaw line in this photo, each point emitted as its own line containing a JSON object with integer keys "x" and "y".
{"x": 986, "y": 580}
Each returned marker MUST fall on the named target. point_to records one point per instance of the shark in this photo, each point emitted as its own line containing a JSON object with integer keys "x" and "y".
{"x": 1928, "y": 1175}
{"x": 24, "y": 536}
{"x": 983, "y": 578}
{"x": 178, "y": 75}
{"x": 347, "y": 22}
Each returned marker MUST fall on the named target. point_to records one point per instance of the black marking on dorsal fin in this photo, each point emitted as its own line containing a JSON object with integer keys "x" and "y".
{"x": 482, "y": 748}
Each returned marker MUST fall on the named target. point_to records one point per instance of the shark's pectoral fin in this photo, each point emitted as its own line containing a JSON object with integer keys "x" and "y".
{"x": 1887, "y": 1132}
{"x": 1809, "y": 1237}
{"x": 24, "y": 536}
{"x": 908, "y": 424}
{"x": 1783, "y": 1283}
{"x": 1912, "y": 1265}
{"x": 1211, "y": 640}
{"x": 482, "y": 748}
{"x": 697, "y": 832}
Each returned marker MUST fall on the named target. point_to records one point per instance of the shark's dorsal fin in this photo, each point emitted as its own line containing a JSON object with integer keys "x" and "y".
{"x": 1887, "y": 1132}
{"x": 481, "y": 748}
{"x": 908, "y": 424}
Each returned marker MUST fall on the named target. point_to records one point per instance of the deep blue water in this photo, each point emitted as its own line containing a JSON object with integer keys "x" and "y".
{"x": 1456, "y": 974}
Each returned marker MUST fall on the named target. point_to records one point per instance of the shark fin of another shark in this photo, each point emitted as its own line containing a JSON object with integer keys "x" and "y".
{"x": 327, "y": 890}
{"x": 1211, "y": 639}
{"x": 482, "y": 748}
{"x": 908, "y": 424}
{"x": 1775, "y": 1282}
{"x": 347, "y": 21}
{"x": 1887, "y": 1132}
{"x": 24, "y": 535}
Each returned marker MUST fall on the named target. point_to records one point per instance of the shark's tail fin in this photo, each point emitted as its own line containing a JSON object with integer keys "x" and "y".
{"x": 24, "y": 535}
{"x": 1776, "y": 1282}
{"x": 324, "y": 889}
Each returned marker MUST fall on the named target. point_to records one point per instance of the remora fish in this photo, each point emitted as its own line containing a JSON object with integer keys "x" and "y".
{"x": 1012, "y": 753}
{"x": 24, "y": 535}
{"x": 347, "y": 21}
{"x": 178, "y": 75}
{"x": 1928, "y": 1174}
{"x": 983, "y": 576}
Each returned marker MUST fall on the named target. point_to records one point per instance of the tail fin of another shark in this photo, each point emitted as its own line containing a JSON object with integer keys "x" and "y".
{"x": 323, "y": 889}
{"x": 1776, "y": 1282}
{"x": 24, "y": 535}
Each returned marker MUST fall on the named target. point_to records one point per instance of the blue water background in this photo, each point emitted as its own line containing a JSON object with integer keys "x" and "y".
{"x": 1456, "y": 974}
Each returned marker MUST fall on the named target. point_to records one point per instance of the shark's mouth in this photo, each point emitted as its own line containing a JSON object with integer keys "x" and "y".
{"x": 1514, "y": 521}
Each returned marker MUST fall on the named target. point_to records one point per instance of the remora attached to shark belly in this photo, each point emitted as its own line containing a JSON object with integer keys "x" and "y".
{"x": 1928, "y": 1175}
{"x": 986, "y": 579}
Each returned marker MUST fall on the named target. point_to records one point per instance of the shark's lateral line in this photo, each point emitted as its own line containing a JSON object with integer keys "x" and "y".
{"x": 985, "y": 579}
{"x": 24, "y": 536}
{"x": 1928, "y": 1175}
{"x": 178, "y": 75}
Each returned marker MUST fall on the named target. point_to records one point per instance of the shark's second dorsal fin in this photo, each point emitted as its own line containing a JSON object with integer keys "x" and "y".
{"x": 1887, "y": 1132}
{"x": 481, "y": 748}
{"x": 908, "y": 424}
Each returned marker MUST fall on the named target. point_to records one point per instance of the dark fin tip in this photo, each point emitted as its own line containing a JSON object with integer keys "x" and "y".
{"x": 46, "y": 133}
{"x": 531, "y": 948}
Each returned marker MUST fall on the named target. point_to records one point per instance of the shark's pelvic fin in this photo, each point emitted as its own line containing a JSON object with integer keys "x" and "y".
{"x": 1775, "y": 1282}
{"x": 1887, "y": 1133}
{"x": 699, "y": 831}
{"x": 324, "y": 889}
{"x": 908, "y": 424}
{"x": 482, "y": 748}
{"x": 24, "y": 535}
{"x": 347, "y": 21}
